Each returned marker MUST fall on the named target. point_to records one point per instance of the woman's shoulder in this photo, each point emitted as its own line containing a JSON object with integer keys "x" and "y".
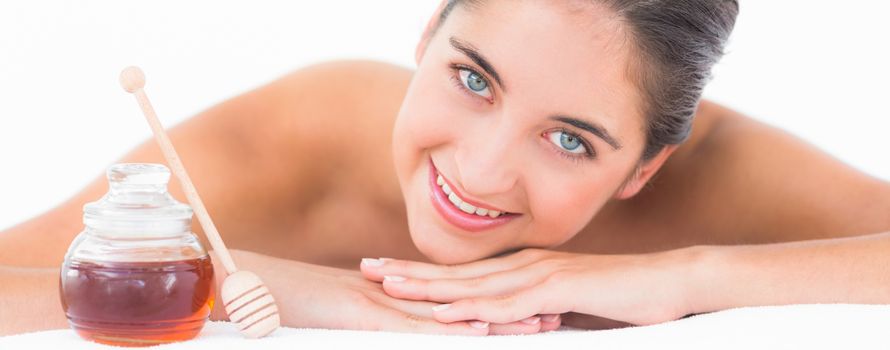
{"x": 356, "y": 79}
{"x": 765, "y": 184}
{"x": 354, "y": 97}
{"x": 347, "y": 107}
{"x": 335, "y": 93}
{"x": 740, "y": 181}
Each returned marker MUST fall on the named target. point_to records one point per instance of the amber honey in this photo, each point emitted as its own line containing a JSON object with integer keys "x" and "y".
{"x": 137, "y": 303}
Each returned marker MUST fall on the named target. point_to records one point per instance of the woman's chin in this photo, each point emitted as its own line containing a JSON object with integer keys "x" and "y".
{"x": 439, "y": 256}
{"x": 442, "y": 248}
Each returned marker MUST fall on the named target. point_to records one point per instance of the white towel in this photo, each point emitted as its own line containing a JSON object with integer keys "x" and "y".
{"x": 828, "y": 326}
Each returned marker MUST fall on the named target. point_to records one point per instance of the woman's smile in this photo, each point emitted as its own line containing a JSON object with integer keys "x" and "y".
{"x": 461, "y": 212}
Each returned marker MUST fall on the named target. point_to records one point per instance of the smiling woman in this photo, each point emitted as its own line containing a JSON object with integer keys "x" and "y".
{"x": 594, "y": 122}
{"x": 544, "y": 153}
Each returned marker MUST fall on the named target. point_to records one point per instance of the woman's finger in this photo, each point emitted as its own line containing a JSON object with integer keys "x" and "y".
{"x": 449, "y": 290}
{"x": 550, "y": 322}
{"x": 375, "y": 269}
{"x": 529, "y": 325}
{"x": 419, "y": 308}
{"x": 399, "y": 321}
{"x": 424, "y": 309}
{"x": 502, "y": 309}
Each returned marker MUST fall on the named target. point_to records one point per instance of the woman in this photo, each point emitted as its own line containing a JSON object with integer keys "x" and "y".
{"x": 553, "y": 165}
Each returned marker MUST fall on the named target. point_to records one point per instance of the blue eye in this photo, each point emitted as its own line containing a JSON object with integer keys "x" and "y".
{"x": 570, "y": 142}
{"x": 475, "y": 82}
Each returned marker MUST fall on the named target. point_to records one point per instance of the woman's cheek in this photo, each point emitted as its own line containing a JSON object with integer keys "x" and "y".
{"x": 564, "y": 210}
{"x": 415, "y": 130}
{"x": 428, "y": 115}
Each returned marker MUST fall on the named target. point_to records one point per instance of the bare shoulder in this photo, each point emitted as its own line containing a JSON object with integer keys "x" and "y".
{"x": 355, "y": 91}
{"x": 306, "y": 109}
{"x": 353, "y": 105}
{"x": 307, "y": 125}
{"x": 758, "y": 183}
{"x": 350, "y": 78}
{"x": 339, "y": 117}
{"x": 340, "y": 112}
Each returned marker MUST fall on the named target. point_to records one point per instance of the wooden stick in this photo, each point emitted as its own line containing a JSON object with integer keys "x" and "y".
{"x": 133, "y": 81}
{"x": 248, "y": 302}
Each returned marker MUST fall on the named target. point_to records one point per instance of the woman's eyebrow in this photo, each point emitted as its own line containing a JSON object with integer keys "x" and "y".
{"x": 473, "y": 53}
{"x": 593, "y": 128}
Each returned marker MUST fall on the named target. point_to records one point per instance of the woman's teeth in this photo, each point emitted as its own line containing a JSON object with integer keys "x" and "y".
{"x": 464, "y": 206}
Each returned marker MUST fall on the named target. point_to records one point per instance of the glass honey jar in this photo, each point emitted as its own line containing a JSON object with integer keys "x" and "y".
{"x": 137, "y": 275}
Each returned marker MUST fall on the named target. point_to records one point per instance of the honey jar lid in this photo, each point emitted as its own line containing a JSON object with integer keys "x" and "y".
{"x": 138, "y": 200}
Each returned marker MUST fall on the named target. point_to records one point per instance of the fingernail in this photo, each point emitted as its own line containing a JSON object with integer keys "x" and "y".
{"x": 478, "y": 324}
{"x": 441, "y": 307}
{"x": 372, "y": 262}
{"x": 394, "y": 278}
{"x": 532, "y": 320}
{"x": 550, "y": 318}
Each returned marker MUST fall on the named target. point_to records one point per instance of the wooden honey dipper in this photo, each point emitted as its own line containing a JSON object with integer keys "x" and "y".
{"x": 247, "y": 300}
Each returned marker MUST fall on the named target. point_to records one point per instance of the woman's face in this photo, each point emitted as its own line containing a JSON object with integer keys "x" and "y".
{"x": 521, "y": 107}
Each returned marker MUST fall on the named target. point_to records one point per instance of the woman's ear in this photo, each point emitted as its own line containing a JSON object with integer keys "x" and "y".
{"x": 644, "y": 173}
{"x": 431, "y": 26}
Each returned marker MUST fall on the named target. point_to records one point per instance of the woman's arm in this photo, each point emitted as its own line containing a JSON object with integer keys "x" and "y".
{"x": 853, "y": 270}
{"x": 308, "y": 296}
{"x": 29, "y": 300}
{"x": 644, "y": 289}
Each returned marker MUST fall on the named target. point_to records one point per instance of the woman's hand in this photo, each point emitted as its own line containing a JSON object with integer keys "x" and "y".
{"x": 636, "y": 289}
{"x": 313, "y": 296}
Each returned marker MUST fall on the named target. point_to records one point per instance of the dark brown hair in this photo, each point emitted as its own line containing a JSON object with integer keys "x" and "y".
{"x": 676, "y": 42}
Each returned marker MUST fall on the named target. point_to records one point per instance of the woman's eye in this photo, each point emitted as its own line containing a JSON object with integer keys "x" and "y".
{"x": 569, "y": 142}
{"x": 475, "y": 82}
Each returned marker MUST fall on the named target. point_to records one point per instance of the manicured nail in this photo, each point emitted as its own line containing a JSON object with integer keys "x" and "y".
{"x": 441, "y": 307}
{"x": 394, "y": 278}
{"x": 372, "y": 262}
{"x": 532, "y": 320}
{"x": 550, "y": 318}
{"x": 478, "y": 324}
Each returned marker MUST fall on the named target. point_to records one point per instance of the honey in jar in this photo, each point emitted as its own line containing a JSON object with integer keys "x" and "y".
{"x": 137, "y": 275}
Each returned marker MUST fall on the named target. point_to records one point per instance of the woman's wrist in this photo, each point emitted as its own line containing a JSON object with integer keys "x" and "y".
{"x": 290, "y": 283}
{"x": 725, "y": 277}
{"x": 246, "y": 260}
{"x": 699, "y": 269}
{"x": 836, "y": 270}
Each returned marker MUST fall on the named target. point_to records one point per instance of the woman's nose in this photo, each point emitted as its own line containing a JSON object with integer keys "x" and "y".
{"x": 486, "y": 164}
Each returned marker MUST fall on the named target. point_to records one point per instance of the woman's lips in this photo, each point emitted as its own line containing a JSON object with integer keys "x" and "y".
{"x": 465, "y": 221}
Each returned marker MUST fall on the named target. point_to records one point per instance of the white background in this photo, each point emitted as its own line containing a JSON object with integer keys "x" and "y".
{"x": 816, "y": 68}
